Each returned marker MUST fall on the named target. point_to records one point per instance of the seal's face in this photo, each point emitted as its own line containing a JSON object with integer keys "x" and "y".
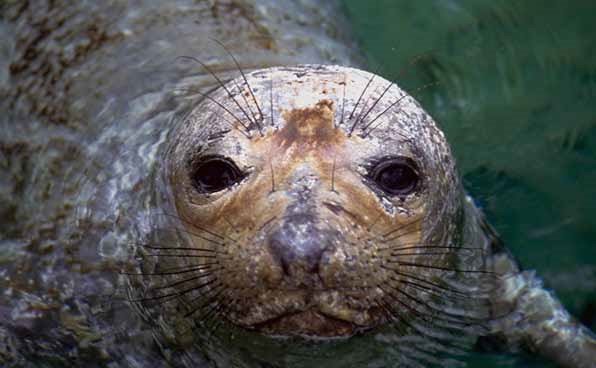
{"x": 308, "y": 206}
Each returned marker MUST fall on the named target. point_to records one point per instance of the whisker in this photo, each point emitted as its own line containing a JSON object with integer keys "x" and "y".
{"x": 183, "y": 255}
{"x": 210, "y": 232}
{"x": 363, "y": 114}
{"x": 198, "y": 277}
{"x": 210, "y": 301}
{"x": 412, "y": 310}
{"x": 144, "y": 245}
{"x": 271, "y": 100}
{"x": 343, "y": 100}
{"x": 433, "y": 284}
{"x": 252, "y": 113}
{"x": 425, "y": 316}
{"x": 272, "y": 177}
{"x": 401, "y": 227}
{"x": 222, "y": 85}
{"x": 385, "y": 90}
{"x": 218, "y": 313}
{"x": 459, "y": 297}
{"x": 394, "y": 315}
{"x": 442, "y": 344}
{"x": 422, "y": 253}
{"x": 246, "y": 82}
{"x": 459, "y": 319}
{"x": 202, "y": 267}
{"x": 418, "y": 245}
{"x": 246, "y": 133}
{"x": 454, "y": 297}
{"x": 212, "y": 313}
{"x": 333, "y": 174}
{"x": 411, "y": 264}
{"x": 357, "y": 103}
{"x": 234, "y": 227}
{"x": 176, "y": 294}
{"x": 184, "y": 231}
{"x": 365, "y": 133}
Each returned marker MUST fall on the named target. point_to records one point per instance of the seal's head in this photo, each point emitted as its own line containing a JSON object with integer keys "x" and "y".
{"x": 317, "y": 200}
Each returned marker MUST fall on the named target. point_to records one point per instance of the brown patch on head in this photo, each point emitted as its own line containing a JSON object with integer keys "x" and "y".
{"x": 309, "y": 128}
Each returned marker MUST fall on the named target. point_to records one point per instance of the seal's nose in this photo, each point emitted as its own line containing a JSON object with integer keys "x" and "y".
{"x": 297, "y": 246}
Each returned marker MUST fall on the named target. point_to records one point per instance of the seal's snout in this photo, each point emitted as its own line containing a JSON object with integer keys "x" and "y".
{"x": 297, "y": 246}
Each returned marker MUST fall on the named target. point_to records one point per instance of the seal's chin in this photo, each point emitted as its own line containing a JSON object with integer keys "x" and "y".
{"x": 308, "y": 323}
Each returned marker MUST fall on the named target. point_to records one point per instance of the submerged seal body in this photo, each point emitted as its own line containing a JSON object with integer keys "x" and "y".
{"x": 199, "y": 217}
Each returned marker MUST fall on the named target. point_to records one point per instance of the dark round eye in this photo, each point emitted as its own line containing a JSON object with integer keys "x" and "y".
{"x": 215, "y": 173}
{"x": 395, "y": 176}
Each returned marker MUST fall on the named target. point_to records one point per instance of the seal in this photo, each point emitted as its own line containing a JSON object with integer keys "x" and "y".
{"x": 323, "y": 201}
{"x": 293, "y": 216}
{"x": 326, "y": 209}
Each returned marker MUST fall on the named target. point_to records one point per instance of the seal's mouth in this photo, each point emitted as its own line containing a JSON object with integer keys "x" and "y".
{"x": 308, "y": 323}
{"x": 307, "y": 314}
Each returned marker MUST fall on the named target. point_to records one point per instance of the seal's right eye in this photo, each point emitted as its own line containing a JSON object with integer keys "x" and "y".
{"x": 214, "y": 173}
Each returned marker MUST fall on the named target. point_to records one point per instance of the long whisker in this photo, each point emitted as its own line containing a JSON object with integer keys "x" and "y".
{"x": 271, "y": 100}
{"x": 144, "y": 245}
{"x": 183, "y": 256}
{"x": 430, "y": 319}
{"x": 423, "y": 253}
{"x": 209, "y": 301}
{"x": 362, "y": 116}
{"x": 210, "y": 232}
{"x": 414, "y": 311}
{"x": 207, "y": 96}
{"x": 364, "y": 128}
{"x": 456, "y": 318}
{"x": 433, "y": 284}
{"x": 272, "y": 177}
{"x": 343, "y": 100}
{"x": 184, "y": 281}
{"x": 357, "y": 103}
{"x": 412, "y": 264}
{"x": 221, "y": 84}
{"x": 418, "y": 245}
{"x": 246, "y": 82}
{"x": 252, "y": 113}
{"x": 440, "y": 344}
{"x": 184, "y": 231}
{"x": 176, "y": 294}
{"x": 385, "y": 306}
{"x": 202, "y": 267}
{"x": 333, "y": 174}
{"x": 400, "y": 228}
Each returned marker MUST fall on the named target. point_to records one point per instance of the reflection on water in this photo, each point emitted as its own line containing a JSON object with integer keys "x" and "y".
{"x": 517, "y": 83}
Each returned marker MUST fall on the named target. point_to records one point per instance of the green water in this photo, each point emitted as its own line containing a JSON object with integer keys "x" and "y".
{"x": 516, "y": 96}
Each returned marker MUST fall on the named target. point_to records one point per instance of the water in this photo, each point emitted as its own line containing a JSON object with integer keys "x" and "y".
{"x": 517, "y": 83}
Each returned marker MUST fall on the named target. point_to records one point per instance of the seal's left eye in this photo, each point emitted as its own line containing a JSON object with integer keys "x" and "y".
{"x": 215, "y": 173}
{"x": 395, "y": 176}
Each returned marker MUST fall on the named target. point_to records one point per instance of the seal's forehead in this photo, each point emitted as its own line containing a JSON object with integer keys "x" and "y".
{"x": 372, "y": 111}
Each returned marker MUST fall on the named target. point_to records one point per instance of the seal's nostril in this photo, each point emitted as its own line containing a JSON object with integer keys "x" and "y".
{"x": 298, "y": 245}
